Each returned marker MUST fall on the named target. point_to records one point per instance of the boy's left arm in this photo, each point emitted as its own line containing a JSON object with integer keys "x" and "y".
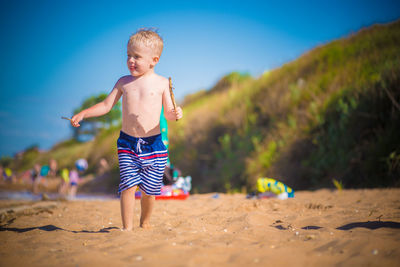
{"x": 169, "y": 111}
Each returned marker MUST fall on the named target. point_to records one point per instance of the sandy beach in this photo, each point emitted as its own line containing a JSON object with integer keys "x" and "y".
{"x": 320, "y": 228}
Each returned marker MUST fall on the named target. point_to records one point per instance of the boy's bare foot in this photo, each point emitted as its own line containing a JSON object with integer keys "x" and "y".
{"x": 145, "y": 226}
{"x": 147, "y": 203}
{"x": 126, "y": 230}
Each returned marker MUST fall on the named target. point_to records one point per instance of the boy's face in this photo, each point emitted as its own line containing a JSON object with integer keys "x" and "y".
{"x": 141, "y": 59}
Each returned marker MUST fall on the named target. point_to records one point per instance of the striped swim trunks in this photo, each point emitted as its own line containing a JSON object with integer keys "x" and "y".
{"x": 142, "y": 161}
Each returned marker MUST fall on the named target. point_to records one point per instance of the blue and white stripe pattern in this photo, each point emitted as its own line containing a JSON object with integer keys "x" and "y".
{"x": 141, "y": 162}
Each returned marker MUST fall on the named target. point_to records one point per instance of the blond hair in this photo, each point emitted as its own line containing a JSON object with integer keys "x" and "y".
{"x": 148, "y": 37}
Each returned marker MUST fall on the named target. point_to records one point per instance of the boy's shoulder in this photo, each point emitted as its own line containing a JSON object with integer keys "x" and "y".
{"x": 155, "y": 79}
{"x": 125, "y": 79}
{"x": 160, "y": 79}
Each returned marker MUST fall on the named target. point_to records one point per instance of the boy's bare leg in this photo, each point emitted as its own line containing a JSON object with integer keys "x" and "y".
{"x": 127, "y": 208}
{"x": 72, "y": 192}
{"x": 147, "y": 204}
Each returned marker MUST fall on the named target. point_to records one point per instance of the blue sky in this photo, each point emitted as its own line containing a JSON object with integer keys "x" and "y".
{"x": 54, "y": 54}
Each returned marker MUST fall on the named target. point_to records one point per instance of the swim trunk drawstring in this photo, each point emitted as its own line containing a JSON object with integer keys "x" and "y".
{"x": 139, "y": 142}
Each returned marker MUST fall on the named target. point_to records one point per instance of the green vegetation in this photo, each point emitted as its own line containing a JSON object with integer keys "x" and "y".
{"x": 337, "y": 184}
{"x": 331, "y": 115}
{"x": 92, "y": 126}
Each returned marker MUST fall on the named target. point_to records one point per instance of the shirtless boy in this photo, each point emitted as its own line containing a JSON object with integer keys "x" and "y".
{"x": 141, "y": 152}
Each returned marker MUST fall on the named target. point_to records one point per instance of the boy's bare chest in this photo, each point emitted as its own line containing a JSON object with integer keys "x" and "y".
{"x": 141, "y": 93}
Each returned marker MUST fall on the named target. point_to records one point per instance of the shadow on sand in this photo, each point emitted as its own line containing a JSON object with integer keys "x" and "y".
{"x": 49, "y": 228}
{"x": 372, "y": 225}
{"x": 311, "y": 227}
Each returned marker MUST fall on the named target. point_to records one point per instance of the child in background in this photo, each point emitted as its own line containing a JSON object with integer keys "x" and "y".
{"x": 73, "y": 182}
{"x": 7, "y": 175}
{"x": 142, "y": 154}
{"x": 64, "y": 185}
{"x": 53, "y": 168}
{"x": 81, "y": 166}
{"x": 36, "y": 178}
{"x": 103, "y": 166}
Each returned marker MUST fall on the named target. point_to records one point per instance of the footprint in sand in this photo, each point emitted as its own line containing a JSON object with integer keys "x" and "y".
{"x": 316, "y": 206}
{"x": 335, "y": 246}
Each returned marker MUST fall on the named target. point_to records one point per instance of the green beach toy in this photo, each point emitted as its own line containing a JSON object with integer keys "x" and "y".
{"x": 274, "y": 186}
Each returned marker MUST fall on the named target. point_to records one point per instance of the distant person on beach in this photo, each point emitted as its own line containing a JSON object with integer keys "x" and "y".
{"x": 2, "y": 176}
{"x": 103, "y": 166}
{"x": 64, "y": 185}
{"x": 36, "y": 178}
{"x": 74, "y": 178}
{"x": 142, "y": 154}
{"x": 53, "y": 168}
{"x": 73, "y": 182}
{"x": 7, "y": 175}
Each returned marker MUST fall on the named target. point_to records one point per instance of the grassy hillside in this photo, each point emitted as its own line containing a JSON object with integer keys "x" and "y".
{"x": 332, "y": 113}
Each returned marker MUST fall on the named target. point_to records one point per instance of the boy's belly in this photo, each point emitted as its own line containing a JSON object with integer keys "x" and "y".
{"x": 141, "y": 125}
{"x": 141, "y": 113}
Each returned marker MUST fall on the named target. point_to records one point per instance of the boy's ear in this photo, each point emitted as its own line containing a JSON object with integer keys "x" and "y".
{"x": 156, "y": 59}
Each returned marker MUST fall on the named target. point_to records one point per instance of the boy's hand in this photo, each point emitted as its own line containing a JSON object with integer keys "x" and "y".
{"x": 76, "y": 119}
{"x": 178, "y": 113}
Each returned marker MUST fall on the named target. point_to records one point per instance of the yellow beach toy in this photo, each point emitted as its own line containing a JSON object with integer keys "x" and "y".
{"x": 274, "y": 186}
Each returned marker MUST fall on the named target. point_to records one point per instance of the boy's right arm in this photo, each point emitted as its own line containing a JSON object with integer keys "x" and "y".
{"x": 100, "y": 108}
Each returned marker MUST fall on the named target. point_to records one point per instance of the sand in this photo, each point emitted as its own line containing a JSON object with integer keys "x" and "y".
{"x": 321, "y": 228}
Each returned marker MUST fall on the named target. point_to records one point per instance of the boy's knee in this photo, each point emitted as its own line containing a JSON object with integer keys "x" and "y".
{"x": 129, "y": 190}
{"x": 144, "y": 195}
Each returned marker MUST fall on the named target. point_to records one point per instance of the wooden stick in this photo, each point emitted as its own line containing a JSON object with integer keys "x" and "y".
{"x": 65, "y": 118}
{"x": 172, "y": 94}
